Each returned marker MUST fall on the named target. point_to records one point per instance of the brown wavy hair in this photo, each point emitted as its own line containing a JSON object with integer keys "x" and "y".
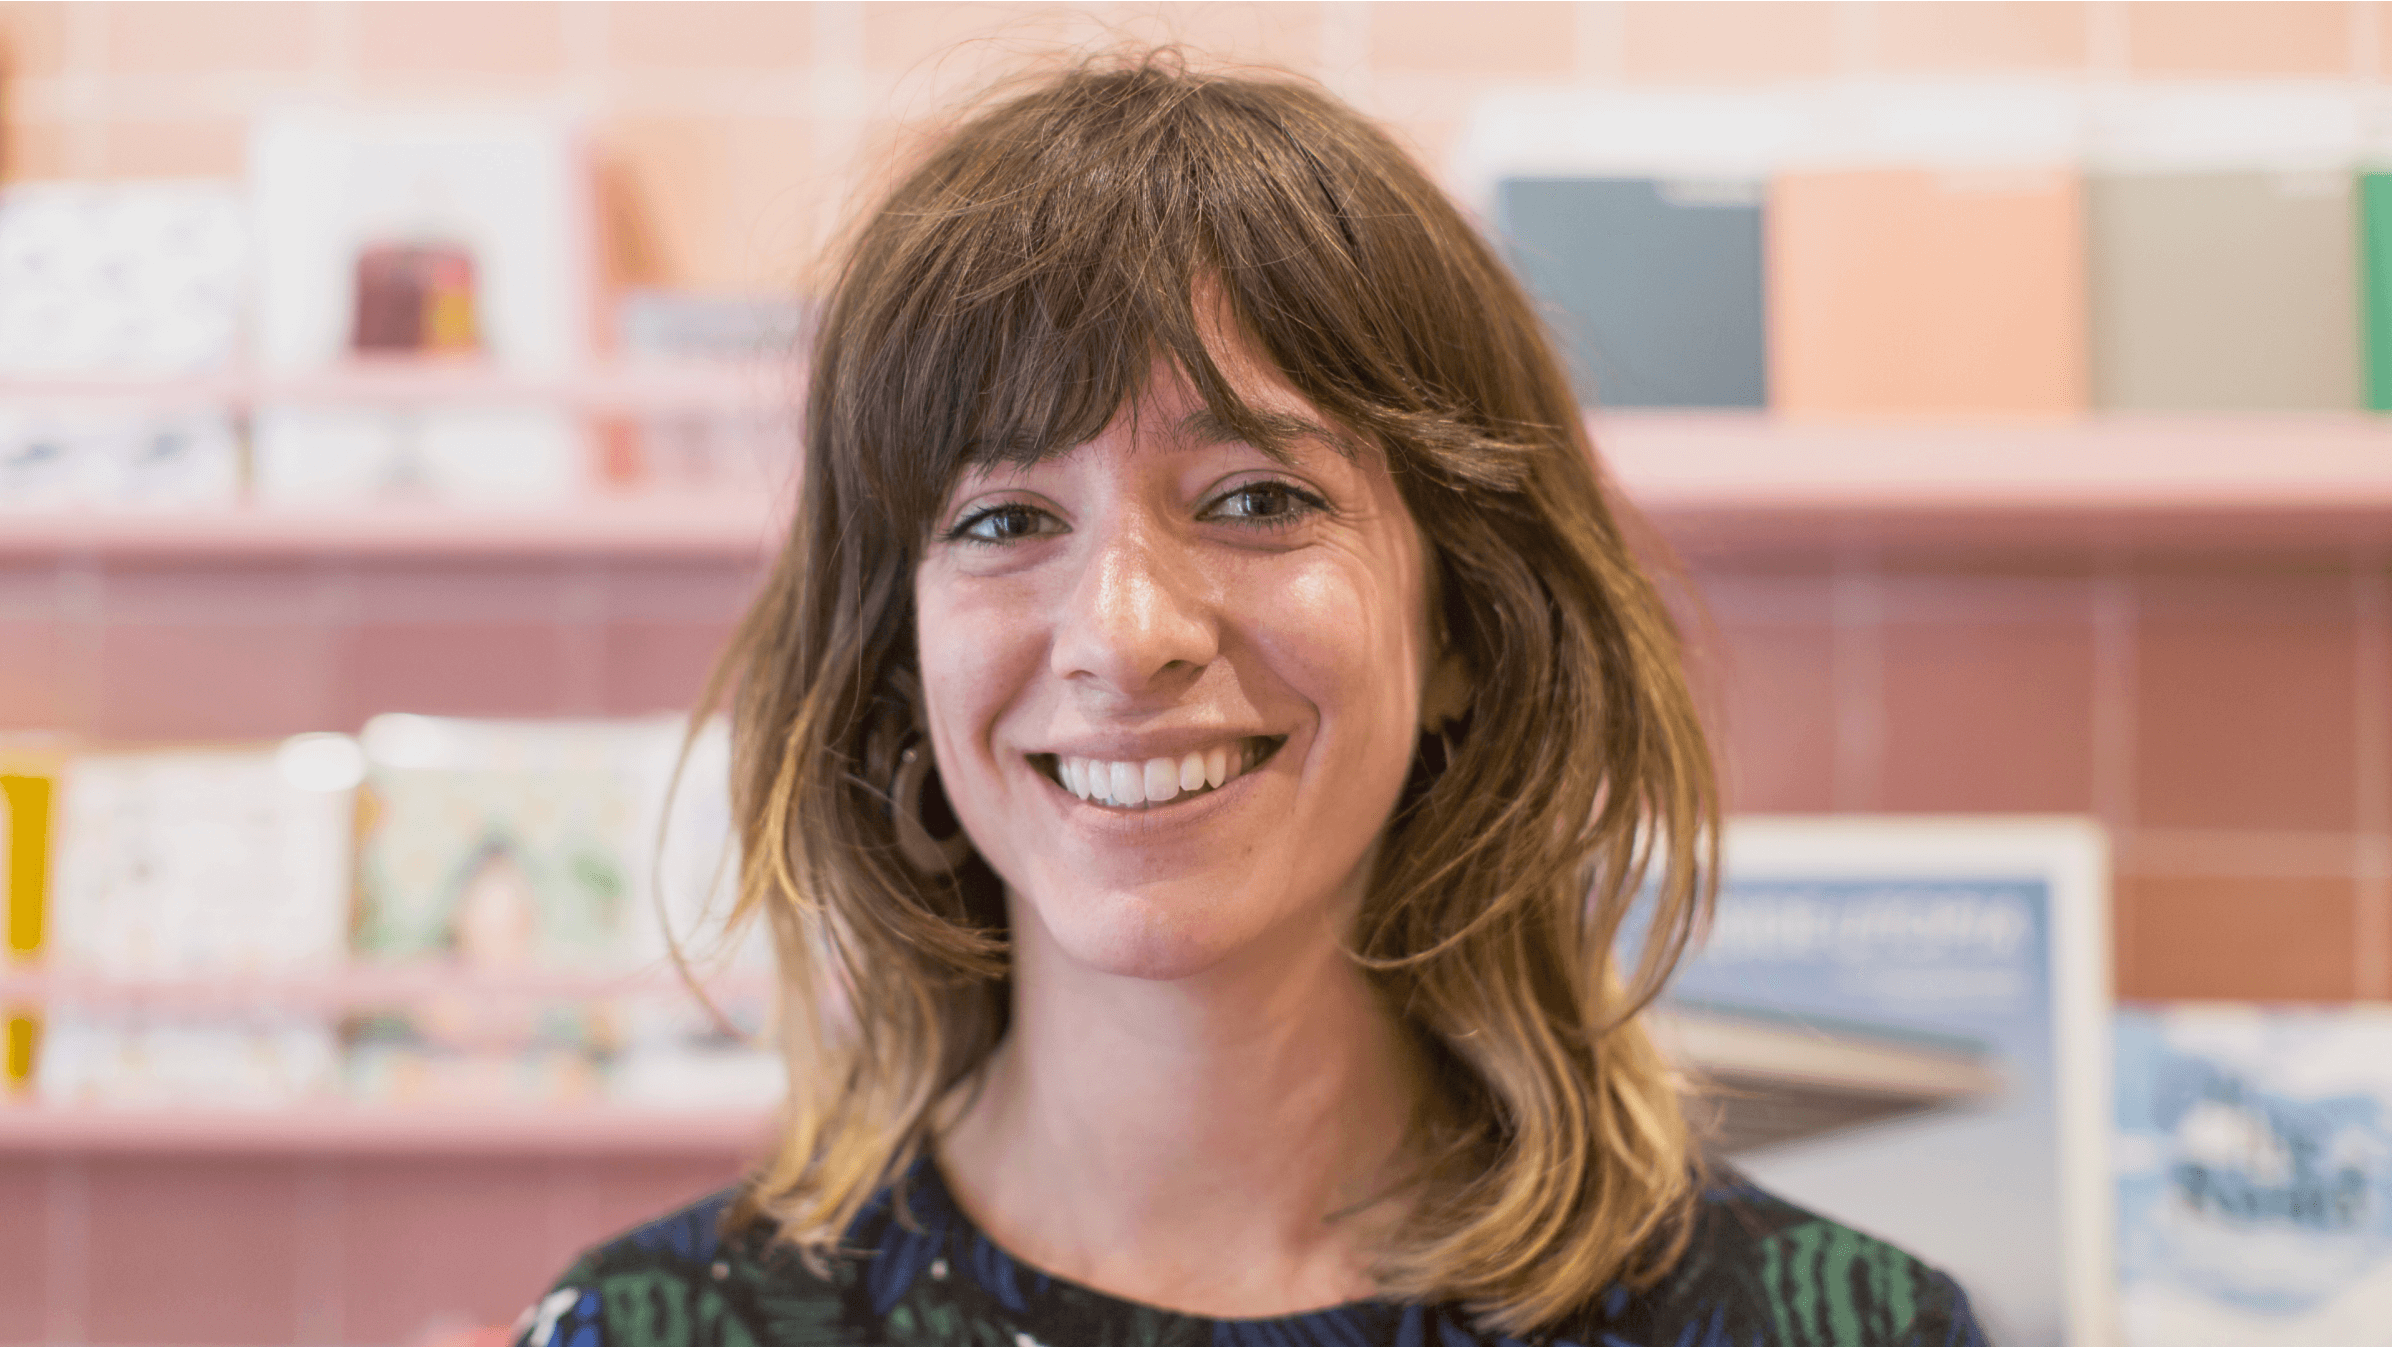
{"x": 1005, "y": 300}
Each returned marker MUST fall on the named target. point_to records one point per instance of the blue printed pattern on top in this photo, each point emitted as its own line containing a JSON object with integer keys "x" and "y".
{"x": 915, "y": 1272}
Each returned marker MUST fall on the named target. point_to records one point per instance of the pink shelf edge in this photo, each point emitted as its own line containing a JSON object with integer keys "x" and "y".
{"x": 352, "y": 987}
{"x": 611, "y": 386}
{"x": 27, "y": 1127}
{"x": 1711, "y": 480}
{"x": 737, "y": 526}
{"x": 2111, "y": 463}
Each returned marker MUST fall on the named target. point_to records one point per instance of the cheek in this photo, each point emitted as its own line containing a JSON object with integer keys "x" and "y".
{"x": 1347, "y": 638}
{"x": 978, "y": 649}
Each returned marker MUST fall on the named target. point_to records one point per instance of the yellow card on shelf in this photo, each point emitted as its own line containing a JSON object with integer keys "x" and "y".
{"x": 29, "y": 777}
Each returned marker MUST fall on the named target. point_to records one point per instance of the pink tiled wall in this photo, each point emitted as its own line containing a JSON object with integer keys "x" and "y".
{"x": 235, "y": 649}
{"x": 220, "y": 1251}
{"x": 2231, "y": 725}
{"x": 2231, "y": 721}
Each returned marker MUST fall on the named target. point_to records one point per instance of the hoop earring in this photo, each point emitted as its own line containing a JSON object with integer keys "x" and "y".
{"x": 1436, "y": 750}
{"x": 1431, "y": 756}
{"x": 910, "y": 788}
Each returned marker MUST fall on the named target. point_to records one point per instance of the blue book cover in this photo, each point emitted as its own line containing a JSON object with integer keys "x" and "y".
{"x": 1653, "y": 287}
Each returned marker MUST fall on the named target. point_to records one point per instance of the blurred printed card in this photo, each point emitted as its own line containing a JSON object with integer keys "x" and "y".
{"x": 81, "y": 456}
{"x": 130, "y": 1057}
{"x": 112, "y": 278}
{"x": 2255, "y": 1175}
{"x": 715, "y": 450}
{"x": 525, "y": 843}
{"x": 513, "y": 852}
{"x": 678, "y": 1052}
{"x": 505, "y": 197}
{"x": 458, "y": 1049}
{"x": 206, "y": 861}
{"x": 305, "y": 454}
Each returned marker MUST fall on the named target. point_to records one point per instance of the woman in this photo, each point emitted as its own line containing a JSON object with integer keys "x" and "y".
{"x": 1203, "y": 685}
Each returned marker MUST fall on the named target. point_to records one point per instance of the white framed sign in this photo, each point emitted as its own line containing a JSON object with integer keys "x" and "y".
{"x": 1905, "y": 1024}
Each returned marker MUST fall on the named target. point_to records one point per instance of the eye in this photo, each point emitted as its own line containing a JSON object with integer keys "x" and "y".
{"x": 1005, "y": 522}
{"x": 1266, "y": 503}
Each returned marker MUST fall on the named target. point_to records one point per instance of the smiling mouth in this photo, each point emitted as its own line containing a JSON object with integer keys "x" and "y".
{"x": 1157, "y": 781}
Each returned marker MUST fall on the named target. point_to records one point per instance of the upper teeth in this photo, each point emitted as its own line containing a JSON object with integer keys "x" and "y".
{"x": 1152, "y": 781}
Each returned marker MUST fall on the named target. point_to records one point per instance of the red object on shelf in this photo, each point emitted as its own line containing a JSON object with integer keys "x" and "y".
{"x": 416, "y": 298}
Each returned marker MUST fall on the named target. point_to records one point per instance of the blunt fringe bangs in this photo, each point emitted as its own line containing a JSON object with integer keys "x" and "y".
{"x": 1006, "y": 301}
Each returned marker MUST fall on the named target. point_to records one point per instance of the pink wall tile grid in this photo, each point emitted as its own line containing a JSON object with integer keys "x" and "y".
{"x": 221, "y": 1251}
{"x": 138, "y": 653}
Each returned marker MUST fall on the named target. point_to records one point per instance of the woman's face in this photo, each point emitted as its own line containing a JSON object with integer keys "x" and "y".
{"x": 1174, "y": 684}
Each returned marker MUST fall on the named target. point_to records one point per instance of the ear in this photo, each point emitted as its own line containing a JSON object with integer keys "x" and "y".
{"x": 1446, "y": 695}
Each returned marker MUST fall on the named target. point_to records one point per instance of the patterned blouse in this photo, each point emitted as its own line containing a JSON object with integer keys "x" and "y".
{"x": 1758, "y": 1271}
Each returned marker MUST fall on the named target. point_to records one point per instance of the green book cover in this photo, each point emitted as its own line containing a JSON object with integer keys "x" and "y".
{"x": 2375, "y": 260}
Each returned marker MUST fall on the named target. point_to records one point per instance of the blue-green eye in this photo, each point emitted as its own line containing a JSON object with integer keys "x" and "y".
{"x": 1006, "y": 522}
{"x": 1265, "y": 503}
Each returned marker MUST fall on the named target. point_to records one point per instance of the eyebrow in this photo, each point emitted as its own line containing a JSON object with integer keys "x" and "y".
{"x": 1204, "y": 426}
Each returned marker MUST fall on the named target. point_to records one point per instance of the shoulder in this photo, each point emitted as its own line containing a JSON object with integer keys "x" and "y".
{"x": 1758, "y": 1268}
{"x": 688, "y": 1279}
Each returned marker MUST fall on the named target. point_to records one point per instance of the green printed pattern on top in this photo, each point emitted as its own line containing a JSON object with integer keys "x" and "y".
{"x": 1759, "y": 1272}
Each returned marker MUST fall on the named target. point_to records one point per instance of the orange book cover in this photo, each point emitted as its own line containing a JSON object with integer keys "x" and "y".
{"x": 1917, "y": 292}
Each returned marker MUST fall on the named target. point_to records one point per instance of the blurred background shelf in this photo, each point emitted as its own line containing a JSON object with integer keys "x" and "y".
{"x": 333, "y": 1130}
{"x": 613, "y": 388}
{"x": 1716, "y": 484}
{"x": 728, "y": 528}
{"x": 355, "y": 988}
{"x": 1739, "y": 486}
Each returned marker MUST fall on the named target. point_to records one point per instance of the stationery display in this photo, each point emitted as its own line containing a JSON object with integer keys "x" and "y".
{"x": 1962, "y": 249}
{"x": 456, "y": 237}
{"x": 2254, "y": 1175}
{"x": 507, "y": 881}
{"x": 111, "y": 279}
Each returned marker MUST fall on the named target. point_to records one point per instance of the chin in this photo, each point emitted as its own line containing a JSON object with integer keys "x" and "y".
{"x": 1157, "y": 933}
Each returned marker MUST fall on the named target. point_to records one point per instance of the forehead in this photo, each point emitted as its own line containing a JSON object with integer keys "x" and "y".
{"x": 1170, "y": 414}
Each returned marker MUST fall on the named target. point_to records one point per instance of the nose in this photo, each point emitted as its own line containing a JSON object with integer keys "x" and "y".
{"x": 1138, "y": 617}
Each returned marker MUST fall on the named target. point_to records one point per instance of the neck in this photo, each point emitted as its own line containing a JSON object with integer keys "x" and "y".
{"x": 1129, "y": 1131}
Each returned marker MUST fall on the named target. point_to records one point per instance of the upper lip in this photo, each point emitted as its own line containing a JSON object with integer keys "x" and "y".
{"x": 1146, "y": 746}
